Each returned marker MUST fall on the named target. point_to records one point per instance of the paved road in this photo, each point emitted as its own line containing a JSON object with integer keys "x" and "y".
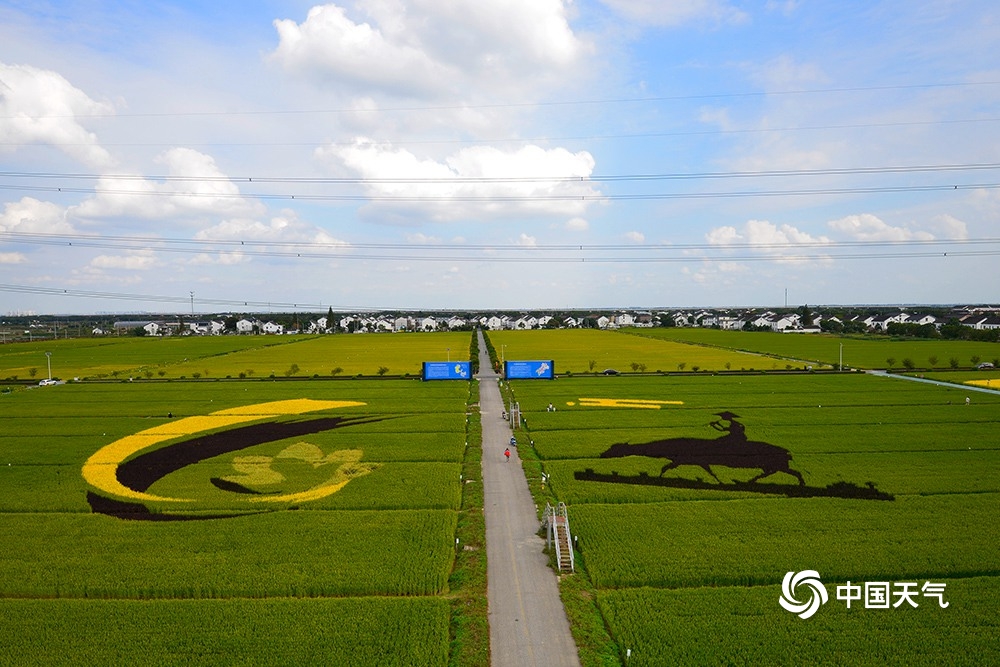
{"x": 528, "y": 624}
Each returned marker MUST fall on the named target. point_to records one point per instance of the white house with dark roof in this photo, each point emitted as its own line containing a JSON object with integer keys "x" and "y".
{"x": 883, "y": 320}
{"x": 922, "y": 320}
{"x": 245, "y": 326}
{"x": 151, "y": 328}
{"x": 273, "y": 328}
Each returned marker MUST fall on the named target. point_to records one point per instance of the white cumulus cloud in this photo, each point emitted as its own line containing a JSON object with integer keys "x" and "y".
{"x": 40, "y": 106}
{"x": 475, "y": 181}
{"x": 425, "y": 48}
{"x": 764, "y": 237}
{"x": 198, "y": 188}
{"x": 31, "y": 216}
{"x": 283, "y": 228}
{"x": 141, "y": 260}
{"x": 868, "y": 227}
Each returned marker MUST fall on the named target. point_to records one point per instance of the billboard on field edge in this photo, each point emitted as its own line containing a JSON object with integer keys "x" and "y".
{"x": 529, "y": 370}
{"x": 447, "y": 370}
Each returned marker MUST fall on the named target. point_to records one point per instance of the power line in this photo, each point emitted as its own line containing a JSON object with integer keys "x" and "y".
{"x": 417, "y": 199}
{"x": 513, "y": 105}
{"x": 822, "y": 250}
{"x": 150, "y": 298}
{"x": 522, "y": 140}
{"x": 135, "y": 241}
{"x": 667, "y": 176}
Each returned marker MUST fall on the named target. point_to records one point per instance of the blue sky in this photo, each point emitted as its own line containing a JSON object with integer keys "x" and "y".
{"x": 469, "y": 154}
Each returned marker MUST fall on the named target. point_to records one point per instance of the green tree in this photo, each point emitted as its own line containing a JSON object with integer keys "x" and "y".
{"x": 891, "y": 361}
{"x": 805, "y": 316}
{"x": 975, "y": 359}
{"x": 932, "y": 360}
{"x": 32, "y": 372}
{"x": 908, "y": 363}
{"x": 592, "y": 364}
{"x": 953, "y": 362}
{"x": 382, "y": 370}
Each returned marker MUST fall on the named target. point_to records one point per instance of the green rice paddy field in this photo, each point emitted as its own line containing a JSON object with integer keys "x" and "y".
{"x": 359, "y": 576}
{"x": 323, "y": 526}
{"x": 342, "y": 355}
{"x": 687, "y": 569}
{"x": 858, "y": 352}
{"x": 577, "y": 351}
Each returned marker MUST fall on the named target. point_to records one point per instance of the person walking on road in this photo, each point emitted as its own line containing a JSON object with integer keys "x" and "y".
{"x": 506, "y": 453}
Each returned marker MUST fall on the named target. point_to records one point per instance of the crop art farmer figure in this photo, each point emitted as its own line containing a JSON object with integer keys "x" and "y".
{"x": 735, "y": 432}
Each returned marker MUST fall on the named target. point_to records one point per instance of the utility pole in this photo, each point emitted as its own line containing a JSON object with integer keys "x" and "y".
{"x": 192, "y": 303}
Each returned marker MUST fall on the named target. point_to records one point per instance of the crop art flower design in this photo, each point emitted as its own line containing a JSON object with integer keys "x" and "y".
{"x": 123, "y": 472}
{"x": 262, "y": 475}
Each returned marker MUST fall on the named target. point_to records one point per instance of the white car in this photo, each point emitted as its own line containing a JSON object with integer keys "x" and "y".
{"x": 985, "y": 366}
{"x": 48, "y": 382}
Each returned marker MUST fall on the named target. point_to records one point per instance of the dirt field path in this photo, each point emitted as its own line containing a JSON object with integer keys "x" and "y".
{"x": 528, "y": 624}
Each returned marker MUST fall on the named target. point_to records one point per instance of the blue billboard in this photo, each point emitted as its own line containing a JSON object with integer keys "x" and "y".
{"x": 447, "y": 370}
{"x": 529, "y": 370}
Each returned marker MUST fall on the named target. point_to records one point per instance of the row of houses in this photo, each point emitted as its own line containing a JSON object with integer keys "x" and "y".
{"x": 718, "y": 319}
{"x": 774, "y": 321}
{"x": 976, "y": 320}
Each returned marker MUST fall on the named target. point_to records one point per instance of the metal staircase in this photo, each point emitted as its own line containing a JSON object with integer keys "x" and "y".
{"x": 558, "y": 536}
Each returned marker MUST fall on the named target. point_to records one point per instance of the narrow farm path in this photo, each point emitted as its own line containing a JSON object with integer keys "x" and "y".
{"x": 949, "y": 385}
{"x": 528, "y": 624}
